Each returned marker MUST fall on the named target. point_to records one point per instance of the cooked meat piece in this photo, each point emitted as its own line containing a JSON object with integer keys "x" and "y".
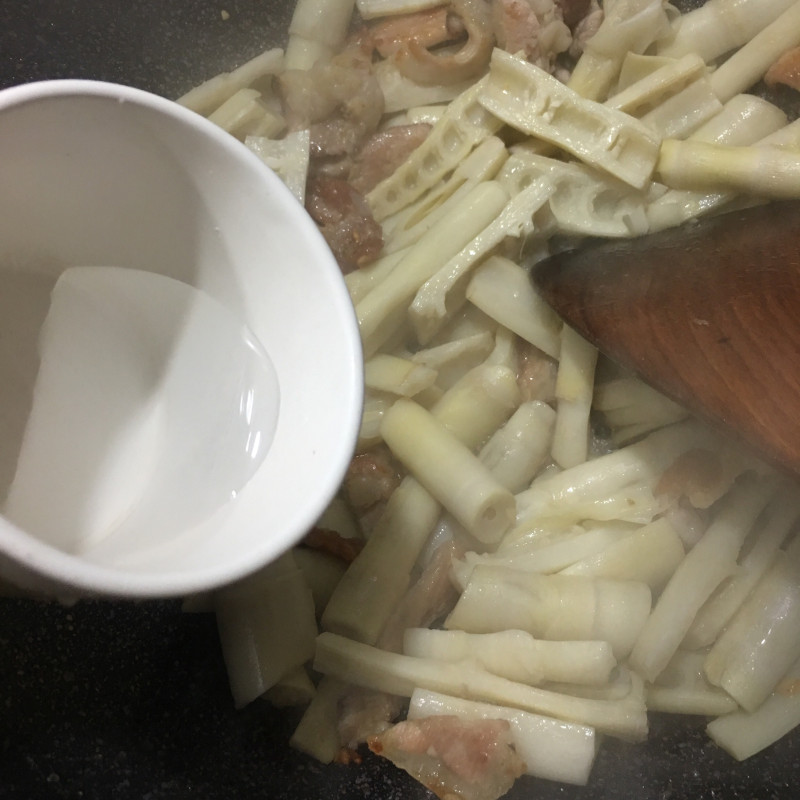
{"x": 587, "y": 27}
{"x": 429, "y": 28}
{"x": 384, "y": 152}
{"x": 333, "y": 543}
{"x": 536, "y": 374}
{"x": 339, "y": 100}
{"x": 466, "y": 759}
{"x": 430, "y": 597}
{"x": 699, "y": 475}
{"x": 432, "y": 49}
{"x": 532, "y": 27}
{"x": 371, "y": 477}
{"x": 345, "y": 220}
{"x": 573, "y": 11}
{"x": 785, "y": 70}
{"x": 364, "y": 713}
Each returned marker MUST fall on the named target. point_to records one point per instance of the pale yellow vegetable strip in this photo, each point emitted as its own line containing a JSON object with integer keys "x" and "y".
{"x": 317, "y": 733}
{"x": 650, "y": 555}
{"x": 438, "y": 245}
{"x": 464, "y": 125}
{"x": 448, "y": 470}
{"x": 641, "y": 96}
{"x": 601, "y": 478}
{"x": 519, "y": 449}
{"x": 322, "y": 572}
{"x": 534, "y": 102}
{"x": 628, "y": 26}
{"x": 744, "y": 734}
{"x": 373, "y": 9}
{"x": 445, "y": 291}
{"x": 287, "y": 157}
{"x": 244, "y": 113}
{"x": 785, "y": 138}
{"x": 503, "y": 290}
{"x": 517, "y": 655}
{"x": 682, "y": 689}
{"x": 584, "y": 202}
{"x": 295, "y": 689}
{"x": 505, "y": 351}
{"x": 323, "y": 21}
{"x": 401, "y": 93}
{"x": 361, "y": 281}
{"x": 551, "y": 749}
{"x": 267, "y": 627}
{"x": 624, "y": 422}
{"x": 303, "y": 53}
{"x": 554, "y": 555}
{"x": 478, "y": 403}
{"x": 559, "y": 607}
{"x": 720, "y": 26}
{"x": 470, "y": 350}
{"x": 759, "y": 123}
{"x": 469, "y": 321}
{"x": 574, "y": 385}
{"x": 400, "y": 376}
{"x": 712, "y": 618}
{"x": 429, "y": 114}
{"x": 339, "y": 516}
{"x": 706, "y": 565}
{"x": 761, "y": 171}
{"x": 377, "y": 578}
{"x": 369, "y": 433}
{"x": 629, "y": 401}
{"x": 214, "y": 92}
{"x": 749, "y": 63}
{"x": 401, "y": 675}
{"x": 618, "y": 687}
{"x": 745, "y": 119}
{"x": 762, "y": 640}
{"x": 632, "y": 503}
{"x": 407, "y": 226}
{"x": 678, "y": 116}
{"x": 636, "y": 67}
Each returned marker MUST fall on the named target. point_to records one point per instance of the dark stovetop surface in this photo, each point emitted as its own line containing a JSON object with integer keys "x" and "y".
{"x": 117, "y": 701}
{"x": 129, "y": 701}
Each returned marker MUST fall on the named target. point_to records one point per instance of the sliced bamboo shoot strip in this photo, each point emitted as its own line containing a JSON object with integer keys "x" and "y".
{"x": 534, "y": 102}
{"x": 435, "y": 247}
{"x": 448, "y": 470}
{"x": 401, "y": 675}
{"x": 749, "y": 63}
{"x": 706, "y": 565}
{"x": 760, "y": 171}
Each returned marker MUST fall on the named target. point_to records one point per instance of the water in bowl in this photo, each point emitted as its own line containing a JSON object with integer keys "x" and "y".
{"x": 134, "y": 407}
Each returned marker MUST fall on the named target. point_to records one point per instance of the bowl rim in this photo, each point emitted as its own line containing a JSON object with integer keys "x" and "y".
{"x": 26, "y": 560}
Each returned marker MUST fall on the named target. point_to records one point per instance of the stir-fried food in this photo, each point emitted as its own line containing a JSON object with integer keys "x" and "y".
{"x": 547, "y": 547}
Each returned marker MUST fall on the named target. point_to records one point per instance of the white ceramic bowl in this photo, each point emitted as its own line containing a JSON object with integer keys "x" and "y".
{"x": 100, "y": 174}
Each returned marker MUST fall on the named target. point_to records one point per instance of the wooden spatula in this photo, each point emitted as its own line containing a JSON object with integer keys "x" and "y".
{"x": 708, "y": 313}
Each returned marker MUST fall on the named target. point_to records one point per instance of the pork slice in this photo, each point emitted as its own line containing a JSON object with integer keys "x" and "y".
{"x": 429, "y": 598}
{"x": 345, "y": 220}
{"x": 786, "y": 70}
{"x": 371, "y": 478}
{"x": 384, "y": 152}
{"x": 453, "y": 757}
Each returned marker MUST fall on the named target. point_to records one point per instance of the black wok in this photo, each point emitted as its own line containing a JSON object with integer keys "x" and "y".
{"x": 130, "y": 701}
